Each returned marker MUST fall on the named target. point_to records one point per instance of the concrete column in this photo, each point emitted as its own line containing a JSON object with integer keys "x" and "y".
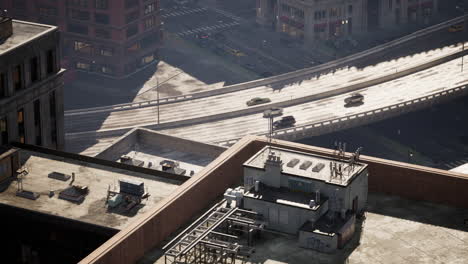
{"x": 26, "y": 73}
{"x": 45, "y": 120}
{"x": 12, "y": 126}
{"x": 9, "y": 74}
{"x": 60, "y": 115}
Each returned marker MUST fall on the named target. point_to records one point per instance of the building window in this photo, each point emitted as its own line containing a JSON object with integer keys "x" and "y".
{"x": 19, "y": 4}
{"x": 149, "y": 41}
{"x": 53, "y": 119}
{"x": 101, "y": 18}
{"x": 47, "y": 11}
{"x": 102, "y": 33}
{"x": 101, "y": 4}
{"x": 83, "y": 47}
{"x": 82, "y": 66}
{"x": 34, "y": 68}
{"x": 147, "y": 59}
{"x": 131, "y": 3}
{"x": 80, "y": 15}
{"x": 106, "y": 51}
{"x": 3, "y": 85}
{"x": 149, "y": 8}
{"x": 79, "y": 3}
{"x": 106, "y": 69}
{"x": 17, "y": 75}
{"x": 20, "y": 123}
{"x": 350, "y": 9}
{"x": 50, "y": 61}
{"x": 149, "y": 22}
{"x": 134, "y": 47}
{"x": 4, "y": 130}
{"x": 132, "y": 30}
{"x": 132, "y": 16}
{"x": 37, "y": 122}
{"x": 390, "y": 4}
{"x": 79, "y": 29}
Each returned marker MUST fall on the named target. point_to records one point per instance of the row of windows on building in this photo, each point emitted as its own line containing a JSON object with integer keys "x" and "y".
{"x": 37, "y": 119}
{"x": 109, "y": 70}
{"x": 132, "y": 30}
{"x": 333, "y": 12}
{"x": 18, "y": 73}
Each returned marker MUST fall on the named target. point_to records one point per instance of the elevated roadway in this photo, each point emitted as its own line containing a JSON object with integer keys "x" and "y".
{"x": 223, "y": 116}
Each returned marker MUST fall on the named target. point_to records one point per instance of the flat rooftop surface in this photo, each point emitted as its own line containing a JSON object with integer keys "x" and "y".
{"x": 461, "y": 169}
{"x": 98, "y": 178}
{"x": 187, "y": 161}
{"x": 286, "y": 155}
{"x": 22, "y": 32}
{"x": 395, "y": 230}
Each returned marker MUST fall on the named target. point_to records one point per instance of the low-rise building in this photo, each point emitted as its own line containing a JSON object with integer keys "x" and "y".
{"x": 308, "y": 195}
{"x": 31, "y": 86}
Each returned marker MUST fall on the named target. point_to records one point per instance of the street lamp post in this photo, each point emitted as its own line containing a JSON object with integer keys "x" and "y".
{"x": 157, "y": 96}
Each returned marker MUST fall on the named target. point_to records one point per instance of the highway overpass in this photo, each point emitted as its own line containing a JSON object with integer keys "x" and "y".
{"x": 315, "y": 99}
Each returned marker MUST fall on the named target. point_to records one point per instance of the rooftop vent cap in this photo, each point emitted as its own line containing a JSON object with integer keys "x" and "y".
{"x": 6, "y": 26}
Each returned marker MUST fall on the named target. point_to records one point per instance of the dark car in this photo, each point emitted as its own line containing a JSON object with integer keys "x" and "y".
{"x": 258, "y": 100}
{"x": 286, "y": 121}
{"x": 354, "y": 99}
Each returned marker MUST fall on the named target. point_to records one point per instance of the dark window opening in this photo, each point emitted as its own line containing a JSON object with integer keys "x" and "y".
{"x": 17, "y": 75}
{"x": 50, "y": 61}
{"x": 37, "y": 122}
{"x": 131, "y": 3}
{"x": 131, "y": 31}
{"x": 101, "y": 4}
{"x": 34, "y": 68}
{"x": 79, "y": 29}
{"x": 102, "y": 33}
{"x": 132, "y": 16}
{"x": 4, "y": 130}
{"x": 53, "y": 119}
{"x": 3, "y": 85}
{"x": 101, "y": 18}
{"x": 20, "y": 123}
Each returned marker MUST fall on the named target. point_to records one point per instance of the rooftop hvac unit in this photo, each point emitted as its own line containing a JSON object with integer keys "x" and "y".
{"x": 305, "y": 165}
{"x": 132, "y": 187}
{"x": 318, "y": 167}
{"x": 292, "y": 163}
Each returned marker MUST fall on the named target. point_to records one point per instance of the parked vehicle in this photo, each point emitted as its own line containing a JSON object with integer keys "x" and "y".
{"x": 258, "y": 100}
{"x": 272, "y": 112}
{"x": 286, "y": 121}
{"x": 235, "y": 52}
{"x": 354, "y": 98}
{"x": 456, "y": 28}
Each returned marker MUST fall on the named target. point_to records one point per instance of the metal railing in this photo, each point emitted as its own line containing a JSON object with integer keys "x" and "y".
{"x": 317, "y": 125}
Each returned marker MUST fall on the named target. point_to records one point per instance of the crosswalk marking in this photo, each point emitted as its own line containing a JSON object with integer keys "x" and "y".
{"x": 207, "y": 28}
{"x": 185, "y": 12}
{"x": 236, "y": 18}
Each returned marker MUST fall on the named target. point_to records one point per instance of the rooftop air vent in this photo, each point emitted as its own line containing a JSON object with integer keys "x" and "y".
{"x": 292, "y": 163}
{"x": 305, "y": 165}
{"x": 6, "y": 26}
{"x": 318, "y": 167}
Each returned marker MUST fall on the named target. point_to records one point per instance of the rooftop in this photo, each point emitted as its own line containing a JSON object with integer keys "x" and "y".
{"x": 98, "y": 178}
{"x": 147, "y": 146}
{"x": 395, "y": 230}
{"x": 23, "y": 32}
{"x": 295, "y": 163}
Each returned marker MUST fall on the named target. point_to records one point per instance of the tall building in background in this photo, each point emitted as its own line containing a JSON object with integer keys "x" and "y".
{"x": 384, "y": 14}
{"x": 114, "y": 38}
{"x": 314, "y": 20}
{"x": 31, "y": 86}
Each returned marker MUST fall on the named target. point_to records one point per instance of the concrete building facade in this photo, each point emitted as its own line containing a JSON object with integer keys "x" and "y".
{"x": 110, "y": 38}
{"x": 314, "y": 20}
{"x": 385, "y": 14}
{"x": 31, "y": 86}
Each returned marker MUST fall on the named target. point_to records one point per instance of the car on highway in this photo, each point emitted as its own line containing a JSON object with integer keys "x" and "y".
{"x": 181, "y": 2}
{"x": 456, "y": 28}
{"x": 249, "y": 66}
{"x": 235, "y": 52}
{"x": 272, "y": 112}
{"x": 355, "y": 98}
{"x": 203, "y": 35}
{"x": 258, "y": 100}
{"x": 285, "y": 121}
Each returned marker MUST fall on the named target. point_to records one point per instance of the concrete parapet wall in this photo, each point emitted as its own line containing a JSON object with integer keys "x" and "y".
{"x": 195, "y": 195}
